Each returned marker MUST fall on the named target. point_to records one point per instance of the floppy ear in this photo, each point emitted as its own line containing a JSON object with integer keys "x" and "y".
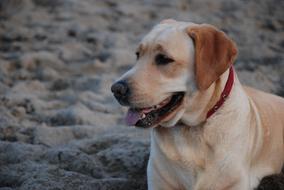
{"x": 215, "y": 52}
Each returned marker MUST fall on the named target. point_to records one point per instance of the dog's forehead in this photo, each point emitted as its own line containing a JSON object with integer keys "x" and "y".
{"x": 166, "y": 34}
{"x": 161, "y": 32}
{"x": 170, "y": 37}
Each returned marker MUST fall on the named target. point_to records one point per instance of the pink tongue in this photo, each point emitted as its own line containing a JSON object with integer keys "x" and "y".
{"x": 132, "y": 117}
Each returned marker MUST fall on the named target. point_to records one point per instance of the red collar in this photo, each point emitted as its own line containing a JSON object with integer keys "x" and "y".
{"x": 224, "y": 95}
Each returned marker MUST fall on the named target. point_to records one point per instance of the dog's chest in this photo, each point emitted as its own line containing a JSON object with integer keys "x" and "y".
{"x": 185, "y": 148}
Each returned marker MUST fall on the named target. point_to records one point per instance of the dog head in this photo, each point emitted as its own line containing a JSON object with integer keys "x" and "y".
{"x": 174, "y": 61}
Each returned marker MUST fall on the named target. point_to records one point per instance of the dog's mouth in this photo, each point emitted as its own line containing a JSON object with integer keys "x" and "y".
{"x": 150, "y": 116}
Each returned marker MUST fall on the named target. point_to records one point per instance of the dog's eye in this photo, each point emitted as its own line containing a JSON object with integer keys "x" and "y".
{"x": 163, "y": 59}
{"x": 137, "y": 55}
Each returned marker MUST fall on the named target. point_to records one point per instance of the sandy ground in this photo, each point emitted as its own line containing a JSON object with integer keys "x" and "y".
{"x": 60, "y": 127}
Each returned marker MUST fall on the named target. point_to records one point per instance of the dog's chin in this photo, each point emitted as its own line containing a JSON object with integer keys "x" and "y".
{"x": 173, "y": 120}
{"x": 166, "y": 113}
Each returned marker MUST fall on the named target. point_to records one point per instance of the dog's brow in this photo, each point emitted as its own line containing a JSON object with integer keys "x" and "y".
{"x": 159, "y": 47}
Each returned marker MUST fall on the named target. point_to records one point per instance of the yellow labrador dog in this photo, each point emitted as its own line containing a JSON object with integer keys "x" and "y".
{"x": 208, "y": 131}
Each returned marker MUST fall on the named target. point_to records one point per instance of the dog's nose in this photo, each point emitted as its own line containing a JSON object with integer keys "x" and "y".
{"x": 120, "y": 88}
{"x": 121, "y": 91}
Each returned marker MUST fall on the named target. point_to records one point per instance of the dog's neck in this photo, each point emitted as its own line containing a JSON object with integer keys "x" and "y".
{"x": 224, "y": 95}
{"x": 201, "y": 103}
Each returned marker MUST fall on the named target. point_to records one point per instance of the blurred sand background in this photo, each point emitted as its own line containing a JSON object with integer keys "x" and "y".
{"x": 60, "y": 127}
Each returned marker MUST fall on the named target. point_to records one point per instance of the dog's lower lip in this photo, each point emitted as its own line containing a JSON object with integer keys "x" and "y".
{"x": 155, "y": 116}
{"x": 155, "y": 107}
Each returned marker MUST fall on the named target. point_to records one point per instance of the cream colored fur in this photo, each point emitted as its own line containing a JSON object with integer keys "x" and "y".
{"x": 232, "y": 150}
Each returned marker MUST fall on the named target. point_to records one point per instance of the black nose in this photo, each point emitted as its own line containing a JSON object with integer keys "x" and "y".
{"x": 121, "y": 91}
{"x": 120, "y": 88}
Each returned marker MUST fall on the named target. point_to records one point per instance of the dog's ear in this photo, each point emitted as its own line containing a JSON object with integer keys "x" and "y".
{"x": 215, "y": 52}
